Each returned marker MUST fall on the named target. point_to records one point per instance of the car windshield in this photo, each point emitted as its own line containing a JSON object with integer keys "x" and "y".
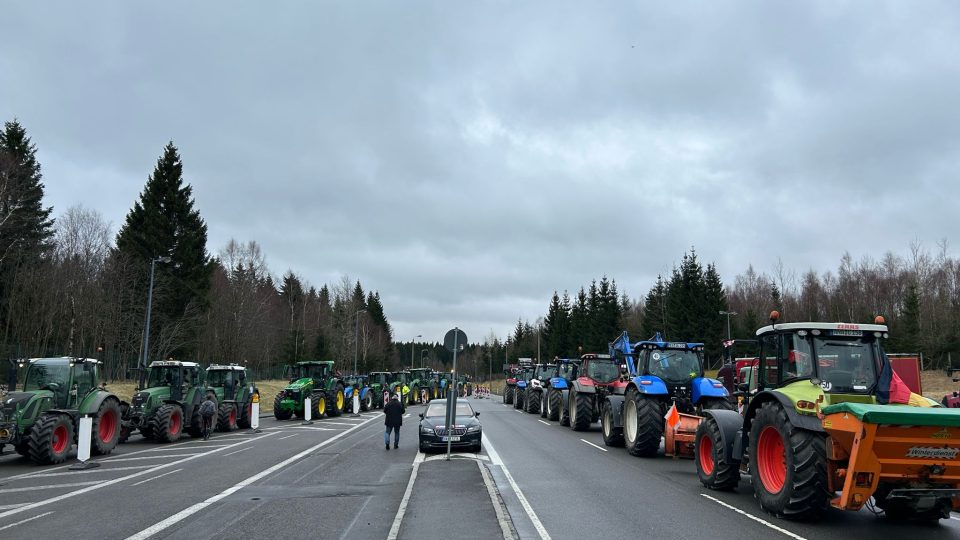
{"x": 163, "y": 376}
{"x": 439, "y": 408}
{"x": 846, "y": 364}
{"x": 602, "y": 371}
{"x": 44, "y": 372}
{"x": 674, "y": 365}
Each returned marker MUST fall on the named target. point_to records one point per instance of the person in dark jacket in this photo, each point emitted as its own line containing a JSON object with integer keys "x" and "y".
{"x": 394, "y": 419}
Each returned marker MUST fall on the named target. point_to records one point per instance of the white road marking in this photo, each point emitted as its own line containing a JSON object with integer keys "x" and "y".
{"x": 398, "y": 519}
{"x": 755, "y": 518}
{"x": 477, "y": 457}
{"x": 25, "y": 520}
{"x": 237, "y": 451}
{"x": 498, "y": 506}
{"x": 92, "y": 471}
{"x": 141, "y": 458}
{"x": 110, "y": 482}
{"x": 288, "y": 436}
{"x": 593, "y": 445}
{"x": 544, "y": 423}
{"x": 183, "y": 514}
{"x": 9, "y": 506}
{"x": 155, "y": 477}
{"x": 326, "y": 423}
{"x": 51, "y": 486}
{"x": 495, "y": 459}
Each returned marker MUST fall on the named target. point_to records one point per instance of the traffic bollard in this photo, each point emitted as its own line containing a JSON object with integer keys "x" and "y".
{"x": 83, "y": 445}
{"x": 356, "y": 403}
{"x": 307, "y": 410}
{"x": 255, "y": 413}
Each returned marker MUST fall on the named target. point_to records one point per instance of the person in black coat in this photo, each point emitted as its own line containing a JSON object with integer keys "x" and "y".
{"x": 394, "y": 419}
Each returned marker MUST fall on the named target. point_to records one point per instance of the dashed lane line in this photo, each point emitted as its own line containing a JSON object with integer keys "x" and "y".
{"x": 594, "y": 445}
{"x": 155, "y": 477}
{"x": 51, "y": 486}
{"x": 753, "y": 517}
{"x": 237, "y": 451}
{"x": 21, "y": 522}
{"x": 141, "y": 458}
{"x": 92, "y": 471}
{"x": 187, "y": 512}
{"x": 544, "y": 423}
{"x": 288, "y": 436}
{"x": 112, "y": 481}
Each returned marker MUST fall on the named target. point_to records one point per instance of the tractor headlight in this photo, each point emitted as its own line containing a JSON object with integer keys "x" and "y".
{"x": 427, "y": 430}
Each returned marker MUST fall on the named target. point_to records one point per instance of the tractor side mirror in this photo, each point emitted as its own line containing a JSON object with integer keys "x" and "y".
{"x": 421, "y": 416}
{"x": 476, "y": 414}
{"x": 743, "y": 387}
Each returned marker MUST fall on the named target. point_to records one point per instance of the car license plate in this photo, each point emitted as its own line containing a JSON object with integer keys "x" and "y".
{"x": 451, "y": 439}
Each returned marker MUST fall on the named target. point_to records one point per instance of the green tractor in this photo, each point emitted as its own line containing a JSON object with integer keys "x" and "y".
{"x": 401, "y": 385}
{"x": 42, "y": 421}
{"x": 422, "y": 379}
{"x": 234, "y": 393}
{"x": 167, "y": 402}
{"x": 315, "y": 380}
{"x": 379, "y": 382}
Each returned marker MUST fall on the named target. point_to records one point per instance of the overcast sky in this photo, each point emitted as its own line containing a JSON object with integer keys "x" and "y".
{"x": 466, "y": 159}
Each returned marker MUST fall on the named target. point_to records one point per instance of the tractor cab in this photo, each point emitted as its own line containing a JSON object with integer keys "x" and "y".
{"x": 380, "y": 377}
{"x": 316, "y": 370}
{"x": 225, "y": 379}
{"x": 402, "y": 377}
{"x": 598, "y": 369}
{"x": 68, "y": 379}
{"x": 179, "y": 377}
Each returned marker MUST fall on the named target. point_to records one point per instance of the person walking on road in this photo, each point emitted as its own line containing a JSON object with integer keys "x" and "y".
{"x": 208, "y": 409}
{"x": 394, "y": 419}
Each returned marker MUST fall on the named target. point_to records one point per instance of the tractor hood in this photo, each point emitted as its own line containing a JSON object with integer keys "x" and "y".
{"x": 15, "y": 402}
{"x": 151, "y": 397}
{"x": 299, "y": 384}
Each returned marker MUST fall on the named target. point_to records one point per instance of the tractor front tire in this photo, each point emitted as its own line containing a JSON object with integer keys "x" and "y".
{"x": 339, "y": 402}
{"x": 246, "y": 415}
{"x": 788, "y": 465}
{"x": 554, "y": 404}
{"x": 167, "y": 423}
{"x": 278, "y": 411}
{"x": 318, "y": 406}
{"x": 581, "y": 411}
{"x": 106, "y": 428}
{"x": 533, "y": 402}
{"x": 544, "y": 403}
{"x": 367, "y": 402}
{"x": 612, "y": 436}
{"x": 710, "y": 456}
{"x": 518, "y": 398}
{"x": 227, "y": 417}
{"x": 722, "y": 404}
{"x": 50, "y": 439}
{"x": 508, "y": 395}
{"x": 642, "y": 425}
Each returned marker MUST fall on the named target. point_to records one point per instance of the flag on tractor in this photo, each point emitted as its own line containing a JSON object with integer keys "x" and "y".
{"x": 672, "y": 417}
{"x": 890, "y": 387}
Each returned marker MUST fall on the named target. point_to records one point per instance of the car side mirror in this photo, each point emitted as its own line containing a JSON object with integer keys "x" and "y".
{"x": 421, "y": 416}
{"x": 476, "y": 414}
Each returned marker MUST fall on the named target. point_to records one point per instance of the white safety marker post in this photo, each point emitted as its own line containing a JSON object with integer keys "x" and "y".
{"x": 83, "y": 446}
{"x": 255, "y": 413}
{"x": 356, "y": 402}
{"x": 307, "y": 406}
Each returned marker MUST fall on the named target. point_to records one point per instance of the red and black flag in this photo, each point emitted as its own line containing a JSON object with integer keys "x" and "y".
{"x": 890, "y": 387}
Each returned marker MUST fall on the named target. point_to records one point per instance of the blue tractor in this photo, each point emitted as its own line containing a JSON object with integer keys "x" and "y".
{"x": 558, "y": 391}
{"x": 659, "y": 373}
{"x": 358, "y": 383}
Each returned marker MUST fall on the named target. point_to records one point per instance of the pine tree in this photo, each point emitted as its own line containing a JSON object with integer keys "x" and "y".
{"x": 579, "y": 325}
{"x": 907, "y": 337}
{"x": 715, "y": 301}
{"x": 164, "y": 223}
{"x": 655, "y": 310}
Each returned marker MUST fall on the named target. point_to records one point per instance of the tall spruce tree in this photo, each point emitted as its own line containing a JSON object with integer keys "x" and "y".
{"x": 579, "y": 325}
{"x": 715, "y": 300}
{"x": 655, "y": 310}
{"x": 164, "y": 223}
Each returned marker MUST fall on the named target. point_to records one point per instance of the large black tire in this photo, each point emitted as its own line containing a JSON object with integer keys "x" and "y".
{"x": 195, "y": 429}
{"x": 708, "y": 452}
{"x": 554, "y": 404}
{"x": 246, "y": 414}
{"x": 508, "y": 395}
{"x": 50, "y": 439}
{"x": 319, "y": 406}
{"x": 581, "y": 411}
{"x": 564, "y": 410}
{"x": 788, "y": 465}
{"x": 642, "y": 424}
{"x": 543, "y": 402}
{"x": 533, "y": 402}
{"x": 612, "y": 436}
{"x": 278, "y": 412}
{"x": 338, "y": 402}
{"x": 518, "y": 398}
{"x": 167, "y": 423}
{"x": 227, "y": 417}
{"x": 106, "y": 428}
{"x": 723, "y": 404}
{"x": 367, "y": 402}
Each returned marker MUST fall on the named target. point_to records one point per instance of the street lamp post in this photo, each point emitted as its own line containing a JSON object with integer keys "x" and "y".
{"x": 356, "y": 338}
{"x": 146, "y": 329}
{"x": 728, "y": 314}
{"x": 411, "y": 350}
{"x": 421, "y": 355}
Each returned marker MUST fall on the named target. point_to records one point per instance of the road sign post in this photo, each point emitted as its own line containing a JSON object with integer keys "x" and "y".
{"x": 453, "y": 341}
{"x": 307, "y": 406}
{"x": 83, "y": 445}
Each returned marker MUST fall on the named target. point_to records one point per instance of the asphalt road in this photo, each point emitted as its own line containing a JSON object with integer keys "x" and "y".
{"x": 333, "y": 479}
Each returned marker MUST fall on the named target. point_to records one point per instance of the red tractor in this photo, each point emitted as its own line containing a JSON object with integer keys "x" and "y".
{"x": 599, "y": 375}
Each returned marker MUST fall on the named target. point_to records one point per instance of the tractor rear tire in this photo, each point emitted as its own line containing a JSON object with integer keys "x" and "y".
{"x": 554, "y": 404}
{"x": 508, "y": 395}
{"x": 167, "y": 423}
{"x": 227, "y": 417}
{"x": 788, "y": 465}
{"x": 518, "y": 398}
{"x": 543, "y": 402}
{"x": 246, "y": 415}
{"x": 722, "y": 404}
{"x": 278, "y": 411}
{"x": 339, "y": 402}
{"x": 367, "y": 402}
{"x": 106, "y": 428}
{"x": 709, "y": 455}
{"x": 533, "y": 402}
{"x": 612, "y": 436}
{"x": 581, "y": 411}
{"x": 50, "y": 439}
{"x": 642, "y": 425}
{"x": 565, "y": 411}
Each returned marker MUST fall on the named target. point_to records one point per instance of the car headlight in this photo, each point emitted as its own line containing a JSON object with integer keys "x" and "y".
{"x": 427, "y": 430}
{"x": 474, "y": 428}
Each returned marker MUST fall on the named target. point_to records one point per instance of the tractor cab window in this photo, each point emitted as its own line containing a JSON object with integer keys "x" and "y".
{"x": 795, "y": 357}
{"x": 674, "y": 365}
{"x": 769, "y": 361}
{"x": 602, "y": 371}
{"x": 163, "y": 376}
{"x": 846, "y": 364}
{"x": 83, "y": 377}
{"x": 318, "y": 371}
{"x": 47, "y": 375}
{"x": 190, "y": 376}
{"x": 401, "y": 378}
{"x": 567, "y": 370}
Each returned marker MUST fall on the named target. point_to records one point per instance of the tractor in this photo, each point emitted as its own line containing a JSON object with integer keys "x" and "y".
{"x": 513, "y": 373}
{"x": 400, "y": 385}
{"x": 661, "y": 374}
{"x": 357, "y": 384}
{"x": 379, "y": 382}
{"x": 167, "y": 402}
{"x": 558, "y": 390}
{"x": 598, "y": 376}
{"x": 234, "y": 393}
{"x": 952, "y": 399}
{"x": 312, "y": 379}
{"x": 814, "y": 435}
{"x": 421, "y": 379}
{"x": 536, "y": 389}
{"x": 520, "y": 390}
{"x": 42, "y": 421}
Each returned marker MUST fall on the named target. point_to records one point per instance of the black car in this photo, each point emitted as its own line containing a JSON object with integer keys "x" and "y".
{"x": 466, "y": 432}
